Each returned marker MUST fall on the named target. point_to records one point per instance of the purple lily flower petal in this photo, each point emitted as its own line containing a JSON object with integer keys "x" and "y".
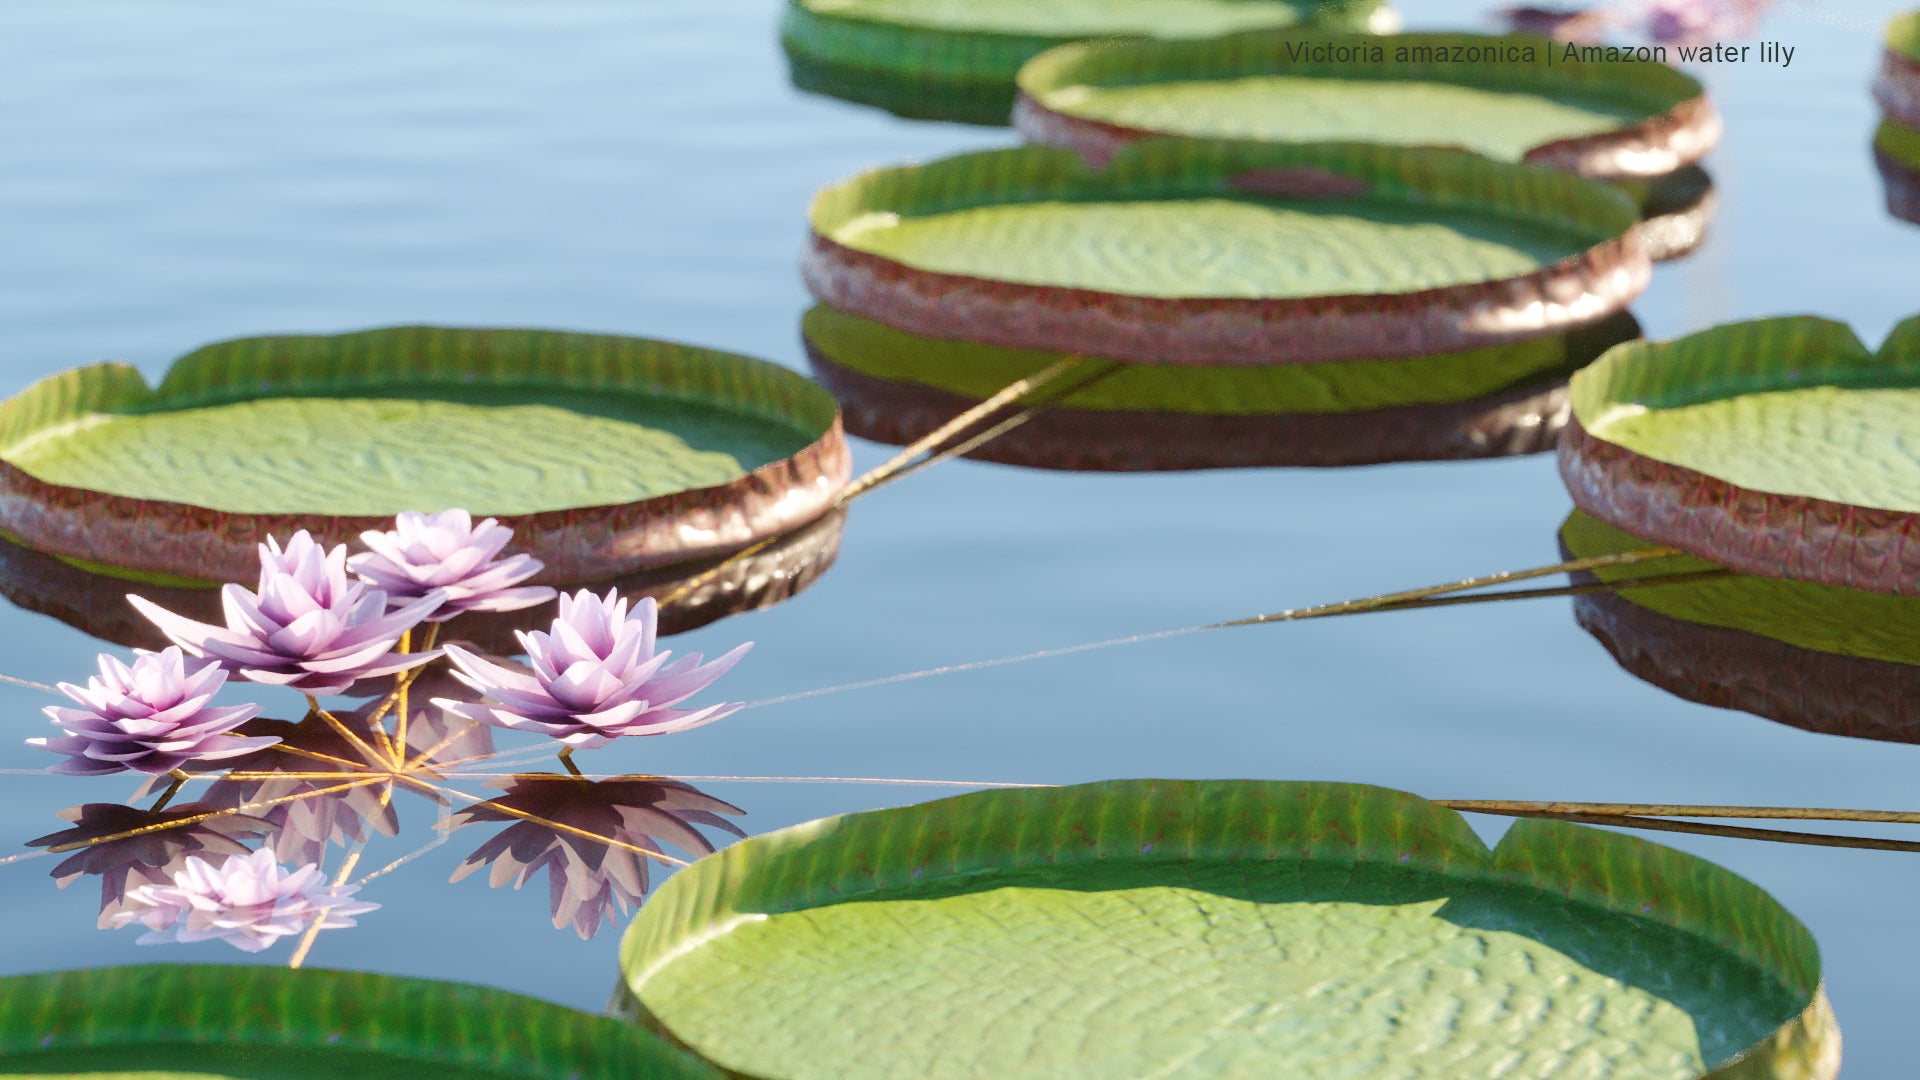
{"x": 448, "y": 552}
{"x": 249, "y": 901}
{"x": 151, "y": 717}
{"x": 596, "y": 676}
{"x": 307, "y": 626}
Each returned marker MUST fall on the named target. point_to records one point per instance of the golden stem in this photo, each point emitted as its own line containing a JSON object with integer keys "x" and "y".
{"x": 313, "y": 928}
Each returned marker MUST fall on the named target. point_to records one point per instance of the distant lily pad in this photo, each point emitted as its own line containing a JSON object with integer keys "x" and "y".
{"x": 956, "y": 59}
{"x": 1896, "y": 86}
{"x": 1896, "y": 152}
{"x": 1780, "y": 447}
{"x": 1498, "y": 96}
{"x": 1510, "y": 399}
{"x": 1219, "y": 253}
{"x": 1820, "y": 657}
{"x": 1182, "y": 928}
{"x": 1676, "y": 211}
{"x": 201, "y": 1022}
{"x": 604, "y": 454}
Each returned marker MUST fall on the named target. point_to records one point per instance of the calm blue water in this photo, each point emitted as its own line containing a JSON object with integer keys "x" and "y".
{"x": 175, "y": 173}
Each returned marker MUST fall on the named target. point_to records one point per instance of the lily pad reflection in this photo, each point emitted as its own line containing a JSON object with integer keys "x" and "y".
{"x": 93, "y": 600}
{"x": 1819, "y": 657}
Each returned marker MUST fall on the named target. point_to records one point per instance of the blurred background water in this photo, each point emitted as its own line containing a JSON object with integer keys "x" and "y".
{"x": 176, "y": 172}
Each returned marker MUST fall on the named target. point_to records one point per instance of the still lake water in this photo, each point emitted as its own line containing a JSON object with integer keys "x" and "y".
{"x": 177, "y": 173}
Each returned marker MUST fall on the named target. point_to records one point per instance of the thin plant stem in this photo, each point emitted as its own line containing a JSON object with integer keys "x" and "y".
{"x": 179, "y": 781}
{"x": 1407, "y": 599}
{"x": 1680, "y": 810}
{"x": 931, "y": 441}
{"x": 313, "y": 929}
{"x": 262, "y": 804}
{"x": 373, "y": 756}
{"x": 400, "y": 708}
{"x": 902, "y": 462}
{"x": 566, "y": 759}
{"x": 1736, "y": 832}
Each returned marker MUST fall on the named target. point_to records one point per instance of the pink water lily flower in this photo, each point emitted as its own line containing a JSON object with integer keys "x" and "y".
{"x": 1693, "y": 22}
{"x": 249, "y": 901}
{"x": 595, "y": 676}
{"x": 152, "y": 717}
{"x": 308, "y": 626}
{"x": 424, "y": 552}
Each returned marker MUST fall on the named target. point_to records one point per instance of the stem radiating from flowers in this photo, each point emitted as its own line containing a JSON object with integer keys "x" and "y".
{"x": 301, "y": 950}
{"x": 400, "y": 706}
{"x": 179, "y": 781}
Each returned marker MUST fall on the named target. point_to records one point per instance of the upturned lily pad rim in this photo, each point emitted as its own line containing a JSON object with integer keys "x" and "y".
{"x": 870, "y": 855}
{"x": 1752, "y": 531}
{"x": 91, "y": 1017}
{"x": 1678, "y": 128}
{"x": 1571, "y": 292}
{"x": 158, "y": 536}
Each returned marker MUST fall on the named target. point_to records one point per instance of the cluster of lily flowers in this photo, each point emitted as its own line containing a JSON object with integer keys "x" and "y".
{"x": 321, "y": 622}
{"x": 1660, "y": 22}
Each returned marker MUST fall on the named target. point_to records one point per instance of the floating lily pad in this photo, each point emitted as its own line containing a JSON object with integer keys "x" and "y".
{"x": 1780, "y": 447}
{"x": 1511, "y": 399}
{"x": 1675, "y": 211}
{"x": 201, "y": 1022}
{"x": 1219, "y": 253}
{"x": 1181, "y": 928}
{"x": 1896, "y": 153}
{"x": 1820, "y": 657}
{"x": 1498, "y": 96}
{"x": 93, "y": 599}
{"x": 956, "y": 59}
{"x": 1896, "y": 86}
{"x": 604, "y": 454}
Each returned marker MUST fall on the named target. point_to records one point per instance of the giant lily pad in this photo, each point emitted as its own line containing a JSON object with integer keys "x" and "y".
{"x": 1220, "y": 253}
{"x": 605, "y": 454}
{"x": 1820, "y": 657}
{"x": 1780, "y": 447}
{"x": 1496, "y": 95}
{"x": 956, "y": 59}
{"x": 1509, "y": 399}
{"x": 1181, "y": 928}
{"x": 200, "y": 1022}
{"x": 93, "y": 599}
{"x": 1896, "y": 86}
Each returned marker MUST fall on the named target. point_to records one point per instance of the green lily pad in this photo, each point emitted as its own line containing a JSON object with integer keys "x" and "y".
{"x": 1498, "y": 96}
{"x": 1820, "y": 657}
{"x": 180, "y": 1021}
{"x": 1896, "y": 154}
{"x": 1903, "y": 35}
{"x": 956, "y": 59}
{"x": 1182, "y": 928}
{"x": 1896, "y": 86}
{"x": 1777, "y": 447}
{"x": 1212, "y": 247}
{"x": 570, "y": 434}
{"x": 1191, "y": 251}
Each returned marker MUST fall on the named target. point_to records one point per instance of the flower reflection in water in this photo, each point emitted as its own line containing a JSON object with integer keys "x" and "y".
{"x": 244, "y": 862}
{"x": 594, "y": 838}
